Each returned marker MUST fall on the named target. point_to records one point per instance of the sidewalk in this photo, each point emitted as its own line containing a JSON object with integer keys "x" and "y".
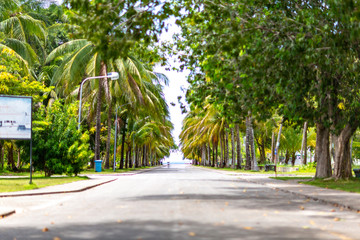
{"x": 94, "y": 180}
{"x": 346, "y": 200}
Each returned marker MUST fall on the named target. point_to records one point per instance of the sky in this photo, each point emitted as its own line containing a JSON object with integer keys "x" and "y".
{"x": 177, "y": 82}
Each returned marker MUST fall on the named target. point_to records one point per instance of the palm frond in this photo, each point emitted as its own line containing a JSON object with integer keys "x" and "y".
{"x": 23, "y": 49}
{"x": 24, "y": 63}
{"x": 66, "y": 48}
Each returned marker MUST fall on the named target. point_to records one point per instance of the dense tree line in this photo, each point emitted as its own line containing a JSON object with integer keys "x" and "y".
{"x": 47, "y": 51}
{"x": 253, "y": 60}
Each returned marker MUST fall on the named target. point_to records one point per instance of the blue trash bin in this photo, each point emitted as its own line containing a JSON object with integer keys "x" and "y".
{"x": 98, "y": 165}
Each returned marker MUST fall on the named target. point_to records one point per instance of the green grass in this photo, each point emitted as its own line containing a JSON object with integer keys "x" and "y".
{"x": 351, "y": 185}
{"x": 111, "y": 171}
{"x": 24, "y": 173}
{"x": 21, "y": 184}
{"x": 291, "y": 178}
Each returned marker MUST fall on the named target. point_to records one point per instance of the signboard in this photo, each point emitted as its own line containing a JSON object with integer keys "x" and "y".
{"x": 15, "y": 117}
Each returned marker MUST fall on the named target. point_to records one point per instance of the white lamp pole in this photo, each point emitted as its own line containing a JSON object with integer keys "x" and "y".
{"x": 111, "y": 75}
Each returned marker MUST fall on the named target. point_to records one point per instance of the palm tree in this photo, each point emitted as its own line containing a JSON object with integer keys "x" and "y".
{"x": 201, "y": 127}
{"x": 291, "y": 143}
{"x": 24, "y": 35}
{"x": 135, "y": 86}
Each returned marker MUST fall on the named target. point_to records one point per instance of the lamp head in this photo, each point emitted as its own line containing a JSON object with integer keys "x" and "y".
{"x": 113, "y": 75}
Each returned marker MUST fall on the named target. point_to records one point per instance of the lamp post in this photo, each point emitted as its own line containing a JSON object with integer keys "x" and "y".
{"x": 116, "y": 117}
{"x": 111, "y": 75}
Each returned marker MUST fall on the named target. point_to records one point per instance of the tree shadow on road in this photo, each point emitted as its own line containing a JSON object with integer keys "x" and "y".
{"x": 159, "y": 230}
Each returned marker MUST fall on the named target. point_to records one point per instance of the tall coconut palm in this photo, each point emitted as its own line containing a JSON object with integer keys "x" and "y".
{"x": 200, "y": 127}
{"x": 79, "y": 59}
{"x": 23, "y": 34}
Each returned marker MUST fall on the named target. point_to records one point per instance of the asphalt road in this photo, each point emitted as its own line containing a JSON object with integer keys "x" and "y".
{"x": 178, "y": 203}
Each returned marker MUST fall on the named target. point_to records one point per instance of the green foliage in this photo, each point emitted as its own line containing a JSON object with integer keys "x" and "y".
{"x": 14, "y": 80}
{"x": 115, "y": 26}
{"x": 291, "y": 139}
{"x": 350, "y": 185}
{"x": 261, "y": 56}
{"x": 311, "y": 166}
{"x": 58, "y": 147}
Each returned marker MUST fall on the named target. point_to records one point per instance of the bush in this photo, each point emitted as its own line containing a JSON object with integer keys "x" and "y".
{"x": 58, "y": 147}
{"x": 308, "y": 167}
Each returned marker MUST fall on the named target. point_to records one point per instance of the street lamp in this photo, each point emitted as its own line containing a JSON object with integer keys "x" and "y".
{"x": 116, "y": 133}
{"x": 111, "y": 75}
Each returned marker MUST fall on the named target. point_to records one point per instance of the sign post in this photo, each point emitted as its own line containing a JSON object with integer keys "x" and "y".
{"x": 16, "y": 120}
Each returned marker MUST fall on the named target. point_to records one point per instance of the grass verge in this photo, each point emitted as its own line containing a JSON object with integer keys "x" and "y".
{"x": 351, "y": 185}
{"x": 291, "y": 178}
{"x": 21, "y": 184}
{"x": 302, "y": 172}
{"x": 111, "y": 171}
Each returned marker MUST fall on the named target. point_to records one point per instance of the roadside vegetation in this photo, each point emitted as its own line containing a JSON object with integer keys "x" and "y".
{"x": 310, "y": 173}
{"x": 349, "y": 185}
{"x": 47, "y": 50}
{"x": 272, "y": 82}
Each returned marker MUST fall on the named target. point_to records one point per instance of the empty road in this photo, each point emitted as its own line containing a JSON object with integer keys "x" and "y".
{"x": 180, "y": 202}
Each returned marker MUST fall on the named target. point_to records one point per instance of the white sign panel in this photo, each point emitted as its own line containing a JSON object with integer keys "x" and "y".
{"x": 15, "y": 117}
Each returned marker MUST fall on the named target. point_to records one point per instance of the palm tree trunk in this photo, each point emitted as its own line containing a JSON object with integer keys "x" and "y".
{"x": 216, "y": 154}
{"x": 18, "y": 164}
{"x": 98, "y": 112}
{"x": 303, "y": 153}
{"x": 227, "y": 164}
{"x": 253, "y": 153}
{"x": 213, "y": 153}
{"x": 278, "y": 145}
{"x": 293, "y": 158}
{"x": 136, "y": 157}
{"x": 127, "y": 159}
{"x": 130, "y": 160}
{"x": 11, "y": 162}
{"x": 248, "y": 143}
{"x": 123, "y": 145}
{"x": 261, "y": 147}
{"x": 209, "y": 154}
{"x": 108, "y": 140}
{"x": 232, "y": 148}
{"x": 144, "y": 155}
{"x": 273, "y": 147}
{"x": 221, "y": 151}
{"x": 238, "y": 147}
